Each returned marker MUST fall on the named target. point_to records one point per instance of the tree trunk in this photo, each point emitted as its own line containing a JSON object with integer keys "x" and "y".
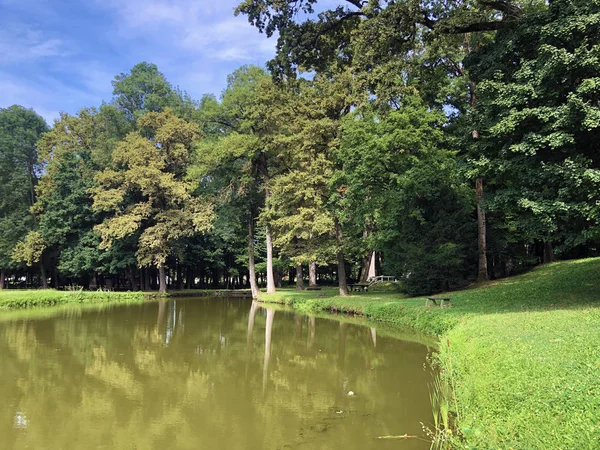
{"x": 299, "y": 278}
{"x": 340, "y": 258}
{"x": 278, "y": 275}
{"x": 251, "y": 264}
{"x": 270, "y": 275}
{"x": 180, "y": 277}
{"x": 312, "y": 274}
{"x": 131, "y": 276}
{"x": 482, "y": 274}
{"x": 366, "y": 265}
{"x": 162, "y": 279}
{"x": 2, "y": 278}
{"x": 548, "y": 252}
{"x": 54, "y": 281}
{"x": 188, "y": 278}
{"x": 44, "y": 278}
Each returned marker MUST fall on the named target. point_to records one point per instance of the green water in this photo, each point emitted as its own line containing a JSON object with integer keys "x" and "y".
{"x": 206, "y": 374}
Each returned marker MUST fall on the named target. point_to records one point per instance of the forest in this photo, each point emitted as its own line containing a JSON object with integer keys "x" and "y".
{"x": 457, "y": 141}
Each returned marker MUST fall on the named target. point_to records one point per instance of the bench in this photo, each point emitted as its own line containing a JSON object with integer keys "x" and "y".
{"x": 444, "y": 302}
{"x": 358, "y": 287}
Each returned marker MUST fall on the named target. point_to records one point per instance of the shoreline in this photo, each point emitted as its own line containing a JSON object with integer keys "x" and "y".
{"x": 15, "y": 299}
{"x": 521, "y": 355}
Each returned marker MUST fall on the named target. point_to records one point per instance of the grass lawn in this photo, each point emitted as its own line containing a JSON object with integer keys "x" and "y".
{"x": 523, "y": 353}
{"x": 13, "y": 298}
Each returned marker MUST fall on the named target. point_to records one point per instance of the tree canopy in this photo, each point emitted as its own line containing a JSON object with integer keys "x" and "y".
{"x": 448, "y": 142}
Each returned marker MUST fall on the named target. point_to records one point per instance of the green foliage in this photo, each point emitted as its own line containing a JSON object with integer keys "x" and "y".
{"x": 145, "y": 192}
{"x": 72, "y": 152}
{"x": 145, "y": 89}
{"x": 299, "y": 209}
{"x": 538, "y": 119}
{"x": 20, "y": 129}
{"x": 403, "y": 182}
{"x": 29, "y": 250}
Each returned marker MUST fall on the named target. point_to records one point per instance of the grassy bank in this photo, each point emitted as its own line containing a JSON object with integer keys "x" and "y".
{"x": 12, "y": 299}
{"x": 524, "y": 352}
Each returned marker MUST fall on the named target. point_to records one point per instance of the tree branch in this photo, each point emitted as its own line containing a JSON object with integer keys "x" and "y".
{"x": 507, "y": 8}
{"x": 471, "y": 28}
{"x": 356, "y": 3}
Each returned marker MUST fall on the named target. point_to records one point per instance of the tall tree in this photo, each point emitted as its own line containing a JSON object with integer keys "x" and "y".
{"x": 72, "y": 152}
{"x": 390, "y": 45}
{"x": 539, "y": 123}
{"x": 245, "y": 124}
{"x": 146, "y": 191}
{"x": 306, "y": 222}
{"x": 400, "y": 176}
{"x": 20, "y": 129}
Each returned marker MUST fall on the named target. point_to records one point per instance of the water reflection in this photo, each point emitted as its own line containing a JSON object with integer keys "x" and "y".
{"x": 190, "y": 374}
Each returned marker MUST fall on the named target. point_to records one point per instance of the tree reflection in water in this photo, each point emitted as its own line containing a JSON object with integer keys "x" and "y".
{"x": 188, "y": 374}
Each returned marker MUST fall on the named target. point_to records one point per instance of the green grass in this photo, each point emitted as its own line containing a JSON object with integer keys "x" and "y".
{"x": 13, "y": 299}
{"x": 524, "y": 352}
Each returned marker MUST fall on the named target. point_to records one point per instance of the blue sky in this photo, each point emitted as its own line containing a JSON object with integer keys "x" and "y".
{"x": 61, "y": 55}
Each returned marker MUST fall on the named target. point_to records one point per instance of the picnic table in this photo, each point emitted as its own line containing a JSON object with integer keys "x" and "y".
{"x": 358, "y": 287}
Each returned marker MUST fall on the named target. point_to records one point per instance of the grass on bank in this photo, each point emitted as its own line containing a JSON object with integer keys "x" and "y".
{"x": 12, "y": 298}
{"x": 524, "y": 352}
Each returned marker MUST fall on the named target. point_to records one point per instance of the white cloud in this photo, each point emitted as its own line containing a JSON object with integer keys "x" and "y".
{"x": 16, "y": 93}
{"x": 49, "y": 65}
{"x": 24, "y": 44}
{"x": 205, "y": 28}
{"x": 231, "y": 39}
{"x": 158, "y": 13}
{"x": 43, "y": 92}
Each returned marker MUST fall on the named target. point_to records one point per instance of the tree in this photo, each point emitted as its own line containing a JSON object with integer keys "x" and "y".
{"x": 145, "y": 89}
{"x": 539, "y": 123}
{"x": 29, "y": 251}
{"x": 20, "y": 129}
{"x": 243, "y": 125}
{"x": 306, "y": 222}
{"x": 391, "y": 46}
{"x": 145, "y": 191}
{"x": 400, "y": 177}
{"x": 72, "y": 153}
{"x": 329, "y": 39}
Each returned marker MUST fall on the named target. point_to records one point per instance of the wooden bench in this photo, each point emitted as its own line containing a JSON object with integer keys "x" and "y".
{"x": 358, "y": 287}
{"x": 444, "y": 302}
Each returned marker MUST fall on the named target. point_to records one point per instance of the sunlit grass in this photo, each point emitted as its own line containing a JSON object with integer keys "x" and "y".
{"x": 12, "y": 298}
{"x": 523, "y": 353}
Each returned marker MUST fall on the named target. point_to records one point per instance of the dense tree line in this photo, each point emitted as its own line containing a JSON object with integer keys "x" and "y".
{"x": 457, "y": 141}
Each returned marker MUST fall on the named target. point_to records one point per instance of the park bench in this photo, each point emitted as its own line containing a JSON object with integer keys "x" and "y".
{"x": 444, "y": 302}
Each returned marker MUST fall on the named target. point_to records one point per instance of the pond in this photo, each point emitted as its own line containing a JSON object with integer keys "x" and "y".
{"x": 206, "y": 374}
